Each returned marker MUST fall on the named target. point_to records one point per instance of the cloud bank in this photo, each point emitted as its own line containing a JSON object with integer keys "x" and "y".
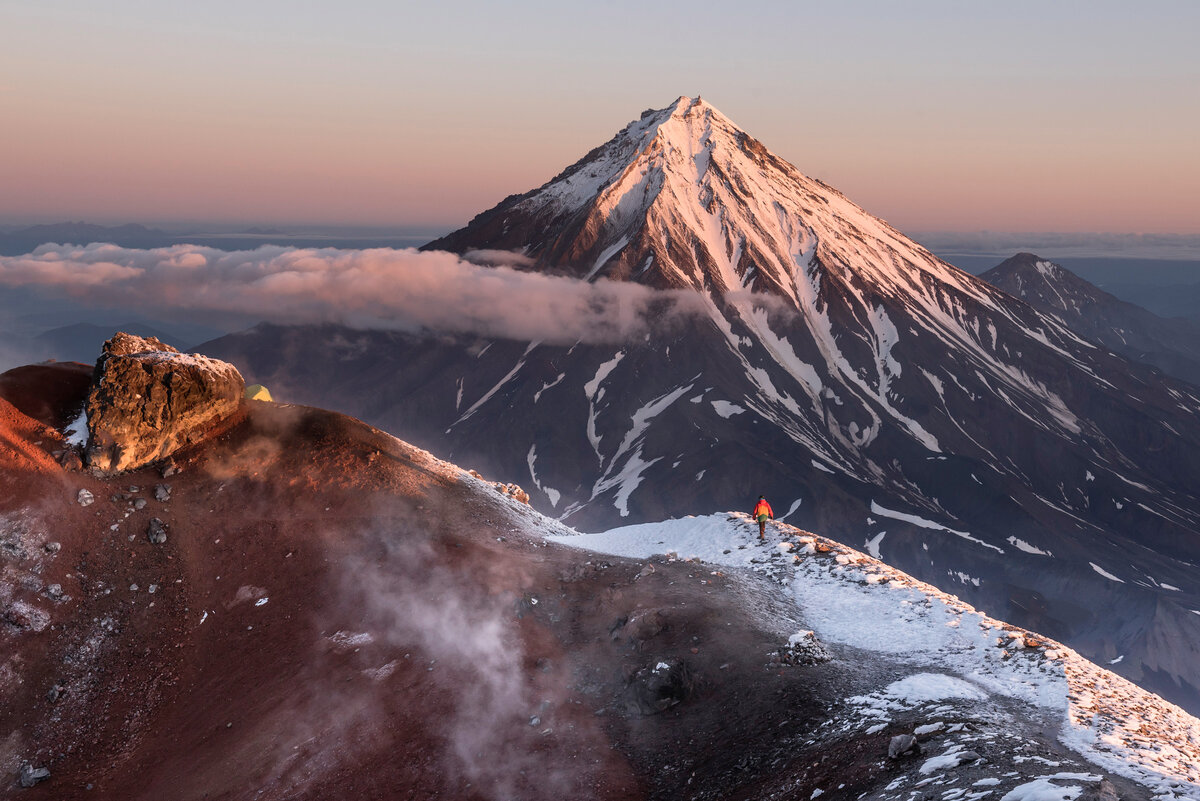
{"x": 379, "y": 288}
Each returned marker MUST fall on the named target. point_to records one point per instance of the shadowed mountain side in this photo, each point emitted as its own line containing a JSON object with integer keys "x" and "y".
{"x": 1170, "y": 344}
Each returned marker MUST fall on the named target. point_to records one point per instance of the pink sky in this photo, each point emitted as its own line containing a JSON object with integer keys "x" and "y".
{"x": 935, "y": 119}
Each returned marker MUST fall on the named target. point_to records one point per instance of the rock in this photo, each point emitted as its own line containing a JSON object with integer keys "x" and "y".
{"x": 55, "y": 591}
{"x": 968, "y": 756}
{"x": 29, "y": 775}
{"x": 139, "y": 504}
{"x": 55, "y": 693}
{"x": 148, "y": 401}
{"x": 157, "y": 532}
{"x": 85, "y": 498}
{"x": 169, "y": 469}
{"x": 804, "y": 648}
{"x": 903, "y": 745}
{"x": 53, "y": 547}
{"x": 1105, "y": 791}
{"x": 70, "y": 459}
{"x": 162, "y": 492}
{"x": 659, "y": 686}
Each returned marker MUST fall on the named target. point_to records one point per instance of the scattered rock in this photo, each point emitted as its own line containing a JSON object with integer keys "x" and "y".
{"x": 85, "y": 498}
{"x": 162, "y": 492}
{"x": 55, "y": 693}
{"x": 157, "y": 532}
{"x": 659, "y": 686}
{"x": 55, "y": 592}
{"x": 53, "y": 547}
{"x": 148, "y": 400}
{"x": 903, "y": 745}
{"x": 803, "y": 648}
{"x": 29, "y": 775}
{"x": 139, "y": 504}
{"x": 513, "y": 491}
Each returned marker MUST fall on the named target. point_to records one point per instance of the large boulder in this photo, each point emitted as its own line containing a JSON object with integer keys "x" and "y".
{"x": 148, "y": 400}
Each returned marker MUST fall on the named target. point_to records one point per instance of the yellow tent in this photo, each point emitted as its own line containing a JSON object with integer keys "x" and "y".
{"x": 258, "y": 392}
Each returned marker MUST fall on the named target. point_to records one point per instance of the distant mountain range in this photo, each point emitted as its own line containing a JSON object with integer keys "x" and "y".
{"x": 874, "y": 393}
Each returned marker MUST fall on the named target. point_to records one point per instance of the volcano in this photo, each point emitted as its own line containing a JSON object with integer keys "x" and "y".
{"x": 873, "y": 392}
{"x": 1170, "y": 344}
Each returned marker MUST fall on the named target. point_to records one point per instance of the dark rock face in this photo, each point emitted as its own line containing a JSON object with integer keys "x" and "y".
{"x": 148, "y": 401}
{"x": 1171, "y": 345}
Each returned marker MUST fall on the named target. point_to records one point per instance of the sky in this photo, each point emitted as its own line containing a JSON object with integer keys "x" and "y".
{"x": 937, "y": 116}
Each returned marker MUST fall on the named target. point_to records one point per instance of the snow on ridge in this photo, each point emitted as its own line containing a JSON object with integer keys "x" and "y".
{"x": 850, "y": 598}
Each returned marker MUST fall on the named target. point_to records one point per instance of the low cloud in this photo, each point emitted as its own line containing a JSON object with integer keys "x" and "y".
{"x": 378, "y": 288}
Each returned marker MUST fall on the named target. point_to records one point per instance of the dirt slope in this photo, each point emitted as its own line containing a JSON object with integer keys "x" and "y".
{"x": 335, "y": 614}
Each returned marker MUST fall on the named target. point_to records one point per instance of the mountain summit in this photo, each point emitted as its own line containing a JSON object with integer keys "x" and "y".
{"x": 683, "y": 198}
{"x": 873, "y": 392}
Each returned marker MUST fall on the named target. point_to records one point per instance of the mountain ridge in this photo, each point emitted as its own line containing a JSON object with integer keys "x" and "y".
{"x": 329, "y": 595}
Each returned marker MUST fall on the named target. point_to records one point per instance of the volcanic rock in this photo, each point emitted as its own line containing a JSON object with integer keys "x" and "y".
{"x": 148, "y": 400}
{"x": 157, "y": 532}
{"x": 30, "y": 775}
{"x": 901, "y": 745}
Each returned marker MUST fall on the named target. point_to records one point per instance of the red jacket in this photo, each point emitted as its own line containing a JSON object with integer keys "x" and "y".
{"x": 762, "y": 506}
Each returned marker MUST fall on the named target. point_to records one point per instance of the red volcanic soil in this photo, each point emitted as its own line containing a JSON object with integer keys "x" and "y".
{"x": 337, "y": 615}
{"x": 51, "y": 393}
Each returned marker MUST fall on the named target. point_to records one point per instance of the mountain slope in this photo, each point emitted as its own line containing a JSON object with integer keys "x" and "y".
{"x": 1171, "y": 345}
{"x": 338, "y": 615}
{"x": 872, "y": 391}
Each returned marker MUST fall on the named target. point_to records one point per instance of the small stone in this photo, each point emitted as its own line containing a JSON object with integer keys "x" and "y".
{"x": 169, "y": 469}
{"x": 153, "y": 588}
{"x": 534, "y": 720}
{"x": 55, "y": 693}
{"x": 139, "y": 504}
{"x": 53, "y": 547}
{"x": 902, "y": 745}
{"x": 30, "y": 775}
{"x": 133, "y": 587}
{"x": 162, "y": 492}
{"x": 55, "y": 591}
{"x": 157, "y": 532}
{"x": 71, "y": 460}
{"x": 85, "y": 498}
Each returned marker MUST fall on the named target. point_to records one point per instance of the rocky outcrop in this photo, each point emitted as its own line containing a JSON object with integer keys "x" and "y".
{"x": 148, "y": 400}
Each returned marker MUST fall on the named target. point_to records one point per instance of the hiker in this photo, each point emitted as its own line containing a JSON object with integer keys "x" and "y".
{"x": 762, "y": 510}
